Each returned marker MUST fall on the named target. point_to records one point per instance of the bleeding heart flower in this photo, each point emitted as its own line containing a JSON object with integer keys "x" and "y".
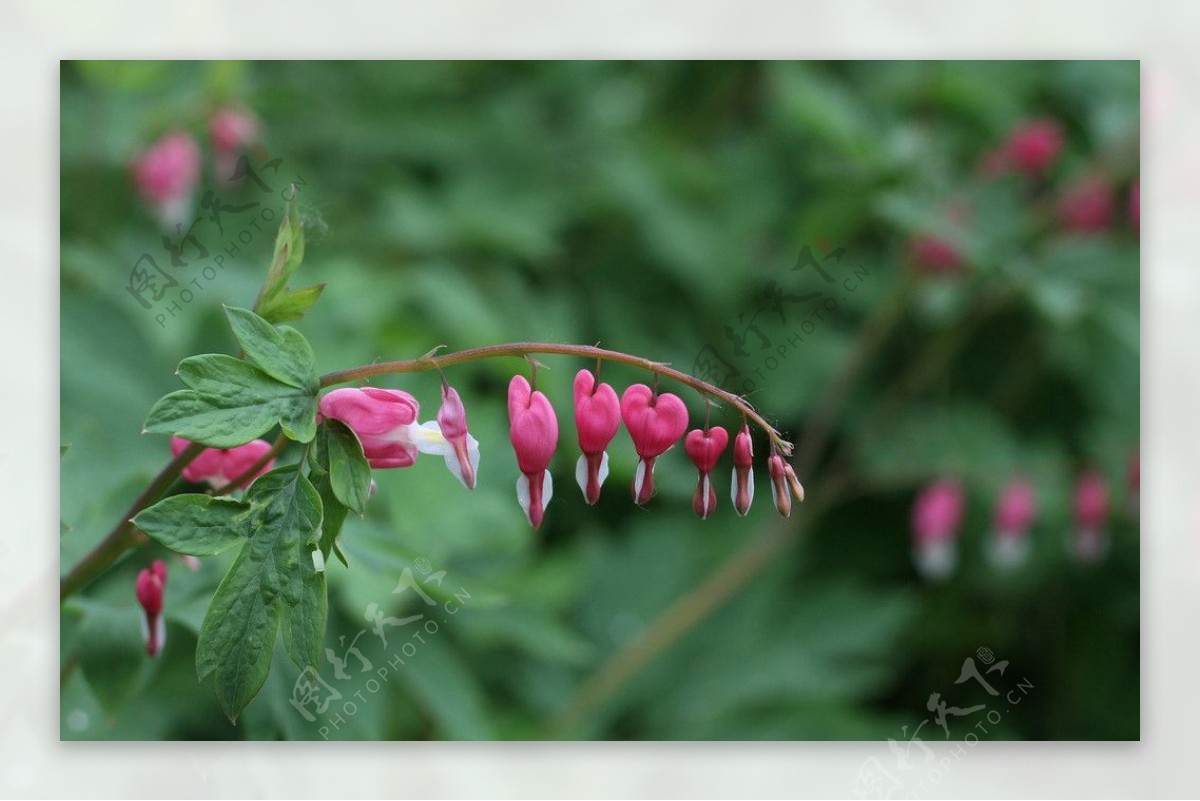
{"x": 1013, "y": 517}
{"x": 1091, "y": 515}
{"x": 533, "y": 429}
{"x": 936, "y": 516}
{"x": 742, "y": 489}
{"x": 220, "y": 466}
{"x": 231, "y": 130}
{"x": 784, "y": 484}
{"x": 166, "y": 174}
{"x": 655, "y": 422}
{"x": 705, "y": 448}
{"x": 462, "y": 451}
{"x": 1034, "y": 145}
{"x": 150, "y": 585}
{"x": 385, "y": 422}
{"x": 597, "y": 418}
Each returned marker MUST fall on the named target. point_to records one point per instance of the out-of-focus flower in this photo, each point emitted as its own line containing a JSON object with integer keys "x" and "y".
{"x": 742, "y": 487}
{"x": 1088, "y": 207}
{"x": 597, "y": 418}
{"x": 1135, "y": 205}
{"x": 149, "y": 588}
{"x": 1014, "y": 514}
{"x": 219, "y": 466}
{"x": 533, "y": 429}
{"x": 166, "y": 175}
{"x": 936, "y": 516}
{"x": 933, "y": 254}
{"x": 1034, "y": 145}
{"x": 231, "y": 130}
{"x": 1091, "y": 517}
{"x": 655, "y": 422}
{"x": 704, "y": 447}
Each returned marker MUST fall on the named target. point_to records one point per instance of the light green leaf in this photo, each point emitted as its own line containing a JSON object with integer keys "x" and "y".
{"x": 281, "y": 352}
{"x": 195, "y": 524}
{"x": 272, "y": 580}
{"x": 287, "y": 306}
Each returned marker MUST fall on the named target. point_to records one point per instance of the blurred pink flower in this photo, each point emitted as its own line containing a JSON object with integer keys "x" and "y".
{"x": 150, "y": 586}
{"x": 169, "y": 169}
{"x": 932, "y": 254}
{"x": 1034, "y": 145}
{"x": 1091, "y": 516}
{"x": 936, "y": 516}
{"x": 232, "y": 128}
{"x": 1088, "y": 207}
{"x": 1013, "y": 517}
{"x": 219, "y": 466}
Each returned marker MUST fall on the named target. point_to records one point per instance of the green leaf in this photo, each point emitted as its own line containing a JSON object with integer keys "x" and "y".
{"x": 195, "y": 524}
{"x": 229, "y": 402}
{"x": 334, "y": 510}
{"x": 349, "y": 472}
{"x": 272, "y": 581}
{"x": 287, "y": 306}
{"x": 281, "y": 352}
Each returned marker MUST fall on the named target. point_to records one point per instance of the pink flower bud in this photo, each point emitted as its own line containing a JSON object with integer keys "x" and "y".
{"x": 149, "y": 587}
{"x": 932, "y": 254}
{"x": 1088, "y": 207}
{"x": 1091, "y": 516}
{"x": 742, "y": 489}
{"x": 462, "y": 453}
{"x": 168, "y": 170}
{"x": 655, "y": 423}
{"x": 705, "y": 448}
{"x": 784, "y": 484}
{"x": 383, "y": 419}
{"x": 597, "y": 418}
{"x": 533, "y": 429}
{"x": 936, "y": 516}
{"x": 232, "y": 129}
{"x": 220, "y": 466}
{"x": 1012, "y": 518}
{"x": 1034, "y": 145}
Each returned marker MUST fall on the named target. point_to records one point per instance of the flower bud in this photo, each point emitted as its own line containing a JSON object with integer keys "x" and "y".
{"x": 462, "y": 451}
{"x": 784, "y": 484}
{"x": 149, "y": 587}
{"x": 705, "y": 448}
{"x": 742, "y": 489}
{"x": 597, "y": 418}
{"x": 655, "y": 423}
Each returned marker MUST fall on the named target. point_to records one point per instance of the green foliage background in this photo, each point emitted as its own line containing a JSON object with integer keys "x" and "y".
{"x": 642, "y": 206}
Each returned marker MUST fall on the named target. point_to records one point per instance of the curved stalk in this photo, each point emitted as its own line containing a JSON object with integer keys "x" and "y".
{"x": 525, "y": 349}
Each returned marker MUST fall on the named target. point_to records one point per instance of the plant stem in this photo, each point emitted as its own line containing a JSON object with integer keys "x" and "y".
{"x": 523, "y": 349}
{"x": 124, "y": 536}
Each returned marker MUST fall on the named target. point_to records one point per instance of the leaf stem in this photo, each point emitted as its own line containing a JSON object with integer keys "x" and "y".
{"x": 525, "y": 349}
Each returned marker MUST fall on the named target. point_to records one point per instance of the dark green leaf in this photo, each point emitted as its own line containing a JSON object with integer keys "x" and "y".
{"x": 195, "y": 524}
{"x": 281, "y": 352}
{"x": 349, "y": 472}
{"x": 229, "y": 402}
{"x": 272, "y": 580}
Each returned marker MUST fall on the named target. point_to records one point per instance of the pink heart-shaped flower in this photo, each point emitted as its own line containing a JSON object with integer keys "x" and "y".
{"x": 655, "y": 422}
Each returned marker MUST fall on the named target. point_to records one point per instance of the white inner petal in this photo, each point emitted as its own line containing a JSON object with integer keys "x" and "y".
{"x": 426, "y": 437}
{"x": 638, "y": 478}
{"x": 581, "y": 474}
{"x": 452, "y": 462}
{"x": 523, "y": 493}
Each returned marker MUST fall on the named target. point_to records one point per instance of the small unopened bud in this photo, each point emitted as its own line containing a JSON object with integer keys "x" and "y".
{"x": 743, "y": 471}
{"x": 150, "y": 586}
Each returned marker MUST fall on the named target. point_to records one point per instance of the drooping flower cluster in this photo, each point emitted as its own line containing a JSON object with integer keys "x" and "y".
{"x": 386, "y": 423}
{"x": 150, "y": 585}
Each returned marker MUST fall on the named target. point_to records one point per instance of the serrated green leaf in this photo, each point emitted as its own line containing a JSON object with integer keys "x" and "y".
{"x": 287, "y": 256}
{"x": 287, "y": 306}
{"x": 349, "y": 472}
{"x": 334, "y": 511}
{"x": 229, "y": 402}
{"x": 279, "y": 351}
{"x": 272, "y": 581}
{"x": 195, "y": 524}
